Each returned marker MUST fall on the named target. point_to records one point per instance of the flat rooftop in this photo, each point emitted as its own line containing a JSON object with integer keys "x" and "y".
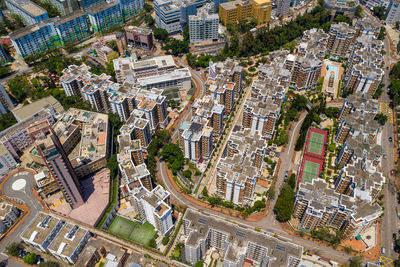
{"x": 24, "y": 112}
{"x": 40, "y": 228}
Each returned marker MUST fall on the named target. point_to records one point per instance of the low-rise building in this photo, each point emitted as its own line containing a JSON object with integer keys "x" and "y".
{"x": 42, "y": 231}
{"x": 139, "y": 37}
{"x": 153, "y": 206}
{"x": 49, "y": 104}
{"x": 179, "y": 78}
{"x": 102, "y": 50}
{"x": 237, "y": 244}
{"x": 69, "y": 242}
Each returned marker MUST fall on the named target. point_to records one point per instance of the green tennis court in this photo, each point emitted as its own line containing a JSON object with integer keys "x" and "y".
{"x": 139, "y": 233}
{"x": 316, "y": 143}
{"x": 310, "y": 171}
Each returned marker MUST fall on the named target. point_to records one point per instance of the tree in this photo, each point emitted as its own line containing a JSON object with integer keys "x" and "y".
{"x": 204, "y": 192}
{"x": 152, "y": 243}
{"x": 163, "y": 135}
{"x": 355, "y": 262}
{"x": 199, "y": 264}
{"x": 160, "y": 34}
{"x": 113, "y": 45}
{"x": 165, "y": 240}
{"x": 284, "y": 204}
{"x": 13, "y": 249}
{"x": 149, "y": 21}
{"x": 148, "y": 8}
{"x": 7, "y": 120}
{"x": 113, "y": 55}
{"x": 359, "y": 12}
{"x": 381, "y": 118}
{"x": 30, "y": 258}
{"x": 172, "y": 154}
{"x": 292, "y": 181}
{"x": 380, "y": 12}
{"x": 332, "y": 112}
{"x": 382, "y": 34}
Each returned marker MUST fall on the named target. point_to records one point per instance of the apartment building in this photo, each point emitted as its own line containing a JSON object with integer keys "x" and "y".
{"x": 130, "y": 8}
{"x": 370, "y": 4}
{"x": 282, "y": 7}
{"x": 48, "y": 103}
{"x": 85, "y": 5}
{"x": 318, "y": 206}
{"x": 42, "y": 231}
{"x": 358, "y": 147}
{"x": 222, "y": 90}
{"x": 138, "y": 127}
{"x": 341, "y": 37}
{"x": 195, "y": 140}
{"x": 8, "y": 214}
{"x": 50, "y": 148}
{"x": 6, "y": 103}
{"x": 276, "y": 68}
{"x": 4, "y": 58}
{"x": 154, "y": 106}
{"x": 393, "y": 12}
{"x": 203, "y": 27}
{"x": 73, "y": 27}
{"x": 69, "y": 242}
{"x": 7, "y": 161}
{"x": 209, "y": 110}
{"x": 179, "y": 78}
{"x": 35, "y": 39}
{"x": 364, "y": 77}
{"x": 30, "y": 12}
{"x": 102, "y": 50}
{"x": 240, "y": 166}
{"x": 73, "y": 79}
{"x": 261, "y": 109}
{"x": 360, "y": 102}
{"x": 359, "y": 181}
{"x": 154, "y": 207}
{"x": 229, "y": 69}
{"x": 105, "y": 16}
{"x": 90, "y": 131}
{"x": 138, "y": 37}
{"x": 367, "y": 26}
{"x": 65, "y": 7}
{"x": 96, "y": 89}
{"x": 123, "y": 70}
{"x": 237, "y": 245}
{"x": 365, "y": 49}
{"x": 233, "y": 11}
{"x": 16, "y": 139}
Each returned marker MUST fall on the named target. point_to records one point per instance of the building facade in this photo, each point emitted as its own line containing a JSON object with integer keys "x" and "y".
{"x": 73, "y": 27}
{"x": 203, "y": 27}
{"x": 27, "y": 10}
{"x": 105, "y": 16}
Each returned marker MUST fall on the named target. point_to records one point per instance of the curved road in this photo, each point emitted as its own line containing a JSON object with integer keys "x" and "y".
{"x": 25, "y": 194}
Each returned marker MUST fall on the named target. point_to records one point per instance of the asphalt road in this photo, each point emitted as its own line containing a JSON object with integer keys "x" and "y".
{"x": 25, "y": 195}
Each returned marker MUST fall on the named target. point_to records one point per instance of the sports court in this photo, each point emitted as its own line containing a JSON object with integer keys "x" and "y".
{"x": 139, "y": 233}
{"x": 316, "y": 143}
{"x": 310, "y": 172}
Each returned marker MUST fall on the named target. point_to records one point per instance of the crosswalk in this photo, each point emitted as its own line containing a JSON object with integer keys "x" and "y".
{"x": 386, "y": 110}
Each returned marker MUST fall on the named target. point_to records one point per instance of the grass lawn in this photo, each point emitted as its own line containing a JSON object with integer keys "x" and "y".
{"x": 139, "y": 233}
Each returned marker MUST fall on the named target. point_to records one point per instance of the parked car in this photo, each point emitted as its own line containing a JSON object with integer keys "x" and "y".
{"x": 392, "y": 172}
{"x": 390, "y": 139}
{"x": 383, "y": 250}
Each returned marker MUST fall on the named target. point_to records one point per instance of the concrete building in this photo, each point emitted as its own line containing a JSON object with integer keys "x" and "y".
{"x": 69, "y": 242}
{"x": 318, "y": 206}
{"x": 27, "y": 10}
{"x": 5, "y": 101}
{"x": 237, "y": 245}
{"x": 103, "y": 17}
{"x": 393, "y": 12}
{"x": 359, "y": 102}
{"x": 154, "y": 207}
{"x": 7, "y": 161}
{"x": 179, "y": 78}
{"x": 35, "y": 39}
{"x": 344, "y": 7}
{"x": 196, "y": 140}
{"x": 211, "y": 112}
{"x": 8, "y": 215}
{"x": 341, "y": 37}
{"x": 4, "y": 58}
{"x": 139, "y": 37}
{"x": 48, "y": 103}
{"x": 203, "y": 27}
{"x": 370, "y": 4}
{"x": 65, "y": 7}
{"x": 130, "y": 8}
{"x": 73, "y": 27}
{"x": 364, "y": 77}
{"x": 42, "y": 231}
{"x": 282, "y": 7}
{"x": 233, "y": 11}
{"x": 16, "y": 138}
{"x": 85, "y": 5}
{"x": 138, "y": 127}
{"x": 73, "y": 79}
{"x": 239, "y": 167}
{"x": 85, "y": 137}
{"x": 153, "y": 67}
{"x": 46, "y": 184}
{"x": 367, "y": 26}
{"x": 50, "y": 148}
{"x": 102, "y": 50}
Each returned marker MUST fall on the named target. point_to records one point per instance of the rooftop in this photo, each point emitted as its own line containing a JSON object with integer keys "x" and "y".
{"x": 30, "y": 29}
{"x": 29, "y": 7}
{"x": 39, "y": 230}
{"x": 24, "y": 112}
{"x": 69, "y": 17}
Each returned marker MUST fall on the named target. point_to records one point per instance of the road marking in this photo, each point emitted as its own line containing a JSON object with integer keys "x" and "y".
{"x": 386, "y": 262}
{"x": 386, "y": 110}
{"x": 18, "y": 185}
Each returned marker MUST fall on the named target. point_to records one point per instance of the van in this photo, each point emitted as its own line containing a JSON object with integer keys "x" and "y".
{"x": 383, "y": 250}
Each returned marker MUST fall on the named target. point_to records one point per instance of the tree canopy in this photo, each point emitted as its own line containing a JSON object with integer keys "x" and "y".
{"x": 172, "y": 154}
{"x": 160, "y": 34}
{"x": 30, "y": 258}
{"x": 285, "y": 203}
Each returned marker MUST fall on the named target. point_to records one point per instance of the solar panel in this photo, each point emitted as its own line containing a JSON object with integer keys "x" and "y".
{"x": 202, "y": 221}
{"x": 281, "y": 248}
{"x": 241, "y": 234}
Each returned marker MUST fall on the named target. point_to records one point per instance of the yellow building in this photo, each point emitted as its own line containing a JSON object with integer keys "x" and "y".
{"x": 233, "y": 11}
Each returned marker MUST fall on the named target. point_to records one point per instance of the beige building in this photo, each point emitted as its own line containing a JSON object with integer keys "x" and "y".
{"x": 233, "y": 11}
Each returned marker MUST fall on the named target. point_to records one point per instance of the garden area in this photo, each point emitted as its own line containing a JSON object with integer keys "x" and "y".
{"x": 144, "y": 234}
